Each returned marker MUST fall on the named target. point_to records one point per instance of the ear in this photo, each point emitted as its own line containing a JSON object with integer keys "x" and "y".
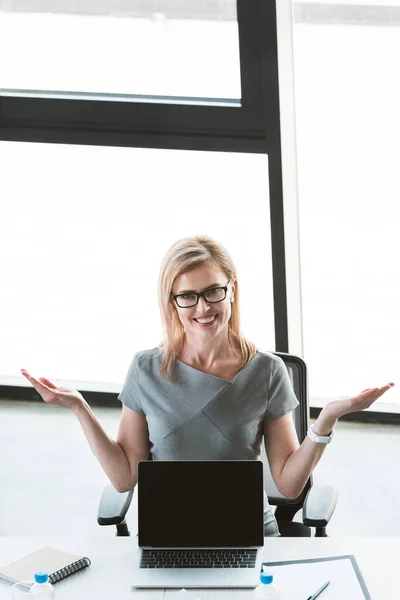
{"x": 233, "y": 287}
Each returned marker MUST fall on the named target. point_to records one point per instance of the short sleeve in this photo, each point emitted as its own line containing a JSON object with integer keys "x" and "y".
{"x": 281, "y": 396}
{"x": 130, "y": 394}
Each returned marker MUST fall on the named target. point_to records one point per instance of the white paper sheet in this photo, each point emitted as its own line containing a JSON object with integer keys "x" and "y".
{"x": 298, "y": 581}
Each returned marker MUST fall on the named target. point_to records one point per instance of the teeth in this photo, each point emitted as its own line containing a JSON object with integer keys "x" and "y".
{"x": 206, "y": 320}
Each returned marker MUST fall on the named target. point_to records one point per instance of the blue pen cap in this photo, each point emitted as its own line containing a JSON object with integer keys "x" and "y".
{"x": 41, "y": 577}
{"x": 266, "y": 577}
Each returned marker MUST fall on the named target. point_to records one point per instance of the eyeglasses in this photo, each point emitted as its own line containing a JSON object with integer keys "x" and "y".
{"x": 211, "y": 296}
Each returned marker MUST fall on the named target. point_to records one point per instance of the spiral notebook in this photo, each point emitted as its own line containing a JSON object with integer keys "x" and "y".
{"x": 57, "y": 563}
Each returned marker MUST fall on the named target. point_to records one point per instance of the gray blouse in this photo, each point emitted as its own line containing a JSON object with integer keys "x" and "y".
{"x": 203, "y": 417}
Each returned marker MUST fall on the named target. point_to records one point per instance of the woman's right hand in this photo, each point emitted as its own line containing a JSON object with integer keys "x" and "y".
{"x": 54, "y": 394}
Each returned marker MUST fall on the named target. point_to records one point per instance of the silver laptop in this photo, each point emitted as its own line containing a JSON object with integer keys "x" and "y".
{"x": 200, "y": 524}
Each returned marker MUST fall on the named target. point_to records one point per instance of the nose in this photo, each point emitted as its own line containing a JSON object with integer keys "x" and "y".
{"x": 202, "y": 305}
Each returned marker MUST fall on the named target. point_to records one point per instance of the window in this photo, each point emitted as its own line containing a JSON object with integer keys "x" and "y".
{"x": 77, "y": 102}
{"x": 160, "y": 48}
{"x": 84, "y": 233}
{"x": 240, "y": 130}
{"x": 100, "y": 123}
{"x": 348, "y": 134}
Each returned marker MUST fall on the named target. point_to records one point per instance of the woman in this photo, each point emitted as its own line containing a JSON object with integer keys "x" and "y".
{"x": 206, "y": 392}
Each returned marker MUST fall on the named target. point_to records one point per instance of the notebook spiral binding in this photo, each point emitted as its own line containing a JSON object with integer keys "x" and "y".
{"x": 72, "y": 568}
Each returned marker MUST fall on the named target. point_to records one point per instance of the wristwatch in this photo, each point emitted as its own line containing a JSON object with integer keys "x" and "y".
{"x": 321, "y": 439}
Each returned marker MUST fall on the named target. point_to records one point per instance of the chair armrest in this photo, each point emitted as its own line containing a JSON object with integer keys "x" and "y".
{"x": 113, "y": 506}
{"x": 319, "y": 505}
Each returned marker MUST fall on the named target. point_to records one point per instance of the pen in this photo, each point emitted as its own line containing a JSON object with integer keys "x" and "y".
{"x": 318, "y": 592}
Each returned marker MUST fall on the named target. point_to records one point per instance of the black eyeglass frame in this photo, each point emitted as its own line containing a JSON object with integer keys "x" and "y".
{"x": 202, "y": 295}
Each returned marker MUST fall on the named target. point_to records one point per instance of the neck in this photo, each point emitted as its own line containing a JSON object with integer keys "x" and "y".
{"x": 206, "y": 353}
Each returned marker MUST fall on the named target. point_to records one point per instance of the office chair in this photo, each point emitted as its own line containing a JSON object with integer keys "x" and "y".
{"x": 316, "y": 502}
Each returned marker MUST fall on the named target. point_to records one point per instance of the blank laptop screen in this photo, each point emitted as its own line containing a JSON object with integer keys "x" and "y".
{"x": 200, "y": 503}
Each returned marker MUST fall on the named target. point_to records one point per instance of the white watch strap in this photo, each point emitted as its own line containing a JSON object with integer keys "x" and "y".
{"x": 321, "y": 439}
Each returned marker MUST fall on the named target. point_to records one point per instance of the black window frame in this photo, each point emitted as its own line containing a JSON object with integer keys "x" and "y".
{"x": 251, "y": 125}
{"x": 248, "y": 125}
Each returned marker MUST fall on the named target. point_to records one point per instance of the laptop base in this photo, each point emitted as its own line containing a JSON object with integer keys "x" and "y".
{"x": 197, "y": 578}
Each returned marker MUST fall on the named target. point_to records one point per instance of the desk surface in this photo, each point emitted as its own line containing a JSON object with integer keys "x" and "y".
{"x": 378, "y": 558}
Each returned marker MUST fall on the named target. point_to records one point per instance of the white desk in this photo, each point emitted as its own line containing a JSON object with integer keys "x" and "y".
{"x": 109, "y": 576}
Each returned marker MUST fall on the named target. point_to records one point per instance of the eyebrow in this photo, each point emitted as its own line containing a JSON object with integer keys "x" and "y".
{"x": 194, "y": 292}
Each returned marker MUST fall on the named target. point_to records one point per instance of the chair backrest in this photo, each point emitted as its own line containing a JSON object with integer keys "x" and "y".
{"x": 298, "y": 376}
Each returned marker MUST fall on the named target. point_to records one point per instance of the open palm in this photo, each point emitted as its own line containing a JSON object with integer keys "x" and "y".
{"x": 360, "y": 402}
{"x": 52, "y": 393}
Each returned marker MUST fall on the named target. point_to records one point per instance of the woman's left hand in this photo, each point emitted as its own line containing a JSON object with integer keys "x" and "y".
{"x": 339, "y": 408}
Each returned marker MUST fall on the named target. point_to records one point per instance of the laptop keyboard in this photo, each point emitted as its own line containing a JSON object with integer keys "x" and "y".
{"x": 198, "y": 559}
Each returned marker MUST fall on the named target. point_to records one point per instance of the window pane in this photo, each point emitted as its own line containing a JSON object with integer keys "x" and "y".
{"x": 84, "y": 230}
{"x": 348, "y": 156}
{"x": 163, "y": 47}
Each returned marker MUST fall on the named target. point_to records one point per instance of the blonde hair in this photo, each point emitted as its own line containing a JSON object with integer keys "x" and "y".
{"x": 184, "y": 255}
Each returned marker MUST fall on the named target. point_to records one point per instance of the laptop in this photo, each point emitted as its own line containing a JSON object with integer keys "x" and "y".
{"x": 200, "y": 524}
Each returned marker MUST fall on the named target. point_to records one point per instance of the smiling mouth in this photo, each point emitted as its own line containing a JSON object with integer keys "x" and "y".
{"x": 206, "y": 320}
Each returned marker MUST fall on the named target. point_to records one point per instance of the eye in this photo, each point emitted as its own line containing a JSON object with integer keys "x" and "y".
{"x": 187, "y": 296}
{"x": 214, "y": 293}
